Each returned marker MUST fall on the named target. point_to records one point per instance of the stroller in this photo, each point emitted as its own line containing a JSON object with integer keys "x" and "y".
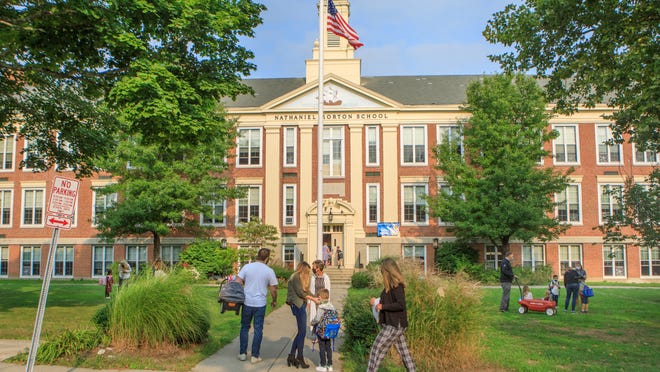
{"x": 231, "y": 296}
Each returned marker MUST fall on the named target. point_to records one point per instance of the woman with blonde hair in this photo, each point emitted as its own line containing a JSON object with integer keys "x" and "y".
{"x": 392, "y": 316}
{"x": 297, "y": 296}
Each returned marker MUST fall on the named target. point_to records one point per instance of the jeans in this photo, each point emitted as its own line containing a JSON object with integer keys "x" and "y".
{"x": 506, "y": 294}
{"x": 247, "y": 315}
{"x": 325, "y": 351}
{"x": 571, "y": 291}
{"x": 301, "y": 322}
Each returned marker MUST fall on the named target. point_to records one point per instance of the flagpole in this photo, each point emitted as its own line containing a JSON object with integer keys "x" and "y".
{"x": 319, "y": 135}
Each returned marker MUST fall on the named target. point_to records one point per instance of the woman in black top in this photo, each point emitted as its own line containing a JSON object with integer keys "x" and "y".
{"x": 393, "y": 318}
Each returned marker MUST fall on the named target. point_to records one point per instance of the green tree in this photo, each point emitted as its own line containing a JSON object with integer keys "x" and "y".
{"x": 255, "y": 233}
{"x": 74, "y": 72}
{"x": 591, "y": 52}
{"x": 209, "y": 258}
{"x": 499, "y": 192}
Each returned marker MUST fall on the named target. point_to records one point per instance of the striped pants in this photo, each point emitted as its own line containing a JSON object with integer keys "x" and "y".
{"x": 390, "y": 335}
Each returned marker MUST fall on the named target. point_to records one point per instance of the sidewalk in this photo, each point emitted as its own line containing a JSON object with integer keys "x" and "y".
{"x": 279, "y": 330}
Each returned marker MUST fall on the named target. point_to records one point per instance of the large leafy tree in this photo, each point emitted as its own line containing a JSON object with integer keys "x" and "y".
{"x": 499, "y": 192}
{"x": 74, "y": 72}
{"x": 591, "y": 52}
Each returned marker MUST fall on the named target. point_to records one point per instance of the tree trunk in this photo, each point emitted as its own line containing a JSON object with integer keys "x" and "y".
{"x": 156, "y": 252}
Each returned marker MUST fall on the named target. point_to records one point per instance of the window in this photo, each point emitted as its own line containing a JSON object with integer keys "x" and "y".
{"x": 614, "y": 260}
{"x": 63, "y": 261}
{"x": 289, "y": 205}
{"x": 4, "y": 260}
{"x": 413, "y": 145}
{"x": 103, "y": 257}
{"x": 30, "y": 261}
{"x": 533, "y": 255}
{"x": 136, "y": 256}
{"x": 290, "y": 142}
{"x": 101, "y": 204}
{"x": 373, "y": 203}
{"x": 610, "y": 201}
{"x": 415, "y": 252}
{"x": 414, "y": 204}
{"x": 217, "y": 215}
{"x": 249, "y": 147}
{"x": 250, "y": 205}
{"x": 566, "y": 145}
{"x": 650, "y": 261}
{"x": 7, "y": 149}
{"x": 644, "y": 157}
{"x": 30, "y": 154}
{"x": 333, "y": 151}
{"x": 443, "y": 188}
{"x": 451, "y": 133}
{"x": 169, "y": 254}
{"x": 289, "y": 256}
{"x": 568, "y": 204}
{"x": 33, "y": 207}
{"x": 372, "y": 146}
{"x": 373, "y": 253}
{"x": 607, "y": 153}
{"x": 569, "y": 255}
{"x": 492, "y": 257}
{"x": 6, "y": 202}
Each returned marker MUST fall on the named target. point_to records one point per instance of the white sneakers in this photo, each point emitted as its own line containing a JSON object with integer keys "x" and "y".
{"x": 324, "y": 368}
{"x": 255, "y": 360}
{"x": 242, "y": 357}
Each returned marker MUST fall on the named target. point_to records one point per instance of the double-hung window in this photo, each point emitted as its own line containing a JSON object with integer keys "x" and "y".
{"x": 614, "y": 260}
{"x": 64, "y": 261}
{"x": 607, "y": 153}
{"x": 610, "y": 201}
{"x": 169, "y": 254}
{"x": 33, "y": 207}
{"x": 650, "y": 261}
{"x": 4, "y": 260}
{"x": 444, "y": 188}
{"x": 568, "y": 204}
{"x": 333, "y": 151}
{"x": 7, "y": 150}
{"x": 30, "y": 261}
{"x": 101, "y": 204}
{"x": 569, "y": 255}
{"x": 250, "y": 205}
{"x": 6, "y": 202}
{"x": 373, "y": 203}
{"x": 102, "y": 259}
{"x": 216, "y": 216}
{"x": 451, "y": 133}
{"x": 290, "y": 145}
{"x": 566, "y": 150}
{"x": 647, "y": 157}
{"x": 492, "y": 257}
{"x": 249, "y": 147}
{"x": 533, "y": 256}
{"x": 372, "y": 145}
{"x": 414, "y": 205}
{"x": 289, "y": 207}
{"x": 136, "y": 256}
{"x": 413, "y": 145}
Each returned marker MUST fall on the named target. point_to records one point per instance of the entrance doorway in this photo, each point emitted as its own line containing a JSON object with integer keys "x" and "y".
{"x": 333, "y": 236}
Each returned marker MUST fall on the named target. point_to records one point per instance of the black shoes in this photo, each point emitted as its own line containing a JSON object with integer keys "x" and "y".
{"x": 291, "y": 360}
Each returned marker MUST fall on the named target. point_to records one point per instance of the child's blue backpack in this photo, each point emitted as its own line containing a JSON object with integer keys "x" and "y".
{"x": 329, "y": 325}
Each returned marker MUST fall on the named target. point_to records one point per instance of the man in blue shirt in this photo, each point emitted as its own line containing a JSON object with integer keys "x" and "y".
{"x": 258, "y": 278}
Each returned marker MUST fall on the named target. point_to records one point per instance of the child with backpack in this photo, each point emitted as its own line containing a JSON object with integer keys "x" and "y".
{"x": 326, "y": 325}
{"x": 554, "y": 288}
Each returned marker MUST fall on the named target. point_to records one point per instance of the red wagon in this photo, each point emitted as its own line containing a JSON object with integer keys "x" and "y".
{"x": 543, "y": 306}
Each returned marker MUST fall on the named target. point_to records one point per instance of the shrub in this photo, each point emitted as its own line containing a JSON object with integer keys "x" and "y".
{"x": 69, "y": 343}
{"x": 156, "y": 312}
{"x": 541, "y": 275}
{"x": 452, "y": 256}
{"x": 360, "y": 328}
{"x": 208, "y": 257}
{"x": 361, "y": 279}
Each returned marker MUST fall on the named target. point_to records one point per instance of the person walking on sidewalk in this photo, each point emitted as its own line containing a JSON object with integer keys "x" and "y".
{"x": 297, "y": 296}
{"x": 258, "y": 278}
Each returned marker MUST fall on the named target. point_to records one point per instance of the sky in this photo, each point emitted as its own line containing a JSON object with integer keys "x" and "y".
{"x": 414, "y": 37}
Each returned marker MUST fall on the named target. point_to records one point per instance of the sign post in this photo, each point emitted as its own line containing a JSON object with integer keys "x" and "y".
{"x": 63, "y": 198}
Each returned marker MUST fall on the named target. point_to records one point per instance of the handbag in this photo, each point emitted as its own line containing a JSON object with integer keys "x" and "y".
{"x": 588, "y": 291}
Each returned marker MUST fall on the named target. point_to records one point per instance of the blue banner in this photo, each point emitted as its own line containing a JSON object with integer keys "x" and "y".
{"x": 388, "y": 228}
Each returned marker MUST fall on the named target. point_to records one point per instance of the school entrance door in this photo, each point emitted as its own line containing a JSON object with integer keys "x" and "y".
{"x": 333, "y": 236}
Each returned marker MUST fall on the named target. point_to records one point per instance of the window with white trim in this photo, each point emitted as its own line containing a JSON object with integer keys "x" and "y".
{"x": 290, "y": 147}
{"x": 414, "y": 208}
{"x": 102, "y": 258}
{"x": 372, "y": 145}
{"x": 217, "y": 216}
{"x": 249, "y": 147}
{"x": 136, "y": 256}
{"x": 250, "y": 205}
{"x": 444, "y": 188}
{"x": 33, "y": 207}
{"x": 63, "y": 261}
{"x": 333, "y": 151}
{"x": 30, "y": 261}
{"x": 647, "y": 157}
{"x": 566, "y": 149}
{"x": 7, "y": 150}
{"x": 169, "y": 254}
{"x": 289, "y": 253}
{"x": 4, "y": 260}
{"x": 373, "y": 203}
{"x": 289, "y": 207}
{"x": 451, "y": 133}
{"x": 568, "y": 204}
{"x": 569, "y": 255}
{"x": 415, "y": 252}
{"x": 533, "y": 255}
{"x": 610, "y": 197}
{"x": 29, "y": 153}
{"x": 413, "y": 145}
{"x": 650, "y": 261}
{"x": 614, "y": 260}
{"x": 492, "y": 257}
{"x": 373, "y": 253}
{"x": 607, "y": 153}
{"x": 6, "y": 203}
{"x": 101, "y": 204}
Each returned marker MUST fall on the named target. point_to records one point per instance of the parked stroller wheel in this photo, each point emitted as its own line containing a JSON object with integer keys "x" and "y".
{"x": 550, "y": 311}
{"x": 522, "y": 309}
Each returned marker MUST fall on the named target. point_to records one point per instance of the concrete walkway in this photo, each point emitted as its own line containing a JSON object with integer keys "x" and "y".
{"x": 279, "y": 330}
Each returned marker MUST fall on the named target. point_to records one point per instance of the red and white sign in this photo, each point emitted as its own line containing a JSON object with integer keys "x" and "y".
{"x": 58, "y": 222}
{"x": 63, "y": 196}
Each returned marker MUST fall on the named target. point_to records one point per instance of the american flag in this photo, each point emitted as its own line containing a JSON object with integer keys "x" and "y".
{"x": 338, "y": 26}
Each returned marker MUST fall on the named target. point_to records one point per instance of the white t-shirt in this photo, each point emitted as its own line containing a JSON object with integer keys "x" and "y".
{"x": 257, "y": 277}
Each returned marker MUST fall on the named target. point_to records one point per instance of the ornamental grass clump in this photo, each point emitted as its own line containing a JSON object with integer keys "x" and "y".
{"x": 157, "y": 312}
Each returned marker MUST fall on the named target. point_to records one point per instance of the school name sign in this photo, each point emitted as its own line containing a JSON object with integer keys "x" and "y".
{"x": 333, "y": 116}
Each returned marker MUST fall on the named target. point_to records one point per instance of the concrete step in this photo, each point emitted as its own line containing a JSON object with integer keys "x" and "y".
{"x": 339, "y": 276}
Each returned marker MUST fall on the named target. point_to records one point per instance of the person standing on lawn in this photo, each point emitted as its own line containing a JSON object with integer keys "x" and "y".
{"x": 506, "y": 277}
{"x": 108, "y": 283}
{"x": 572, "y": 285}
{"x": 258, "y": 278}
